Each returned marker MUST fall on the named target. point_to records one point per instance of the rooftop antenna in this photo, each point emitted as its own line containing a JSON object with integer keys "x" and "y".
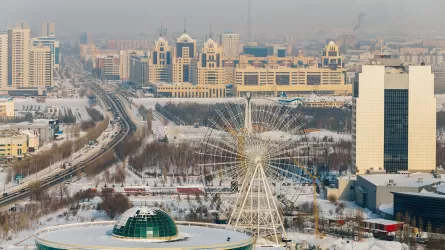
{"x": 162, "y": 30}
{"x": 249, "y": 23}
{"x": 185, "y": 25}
{"x": 211, "y": 33}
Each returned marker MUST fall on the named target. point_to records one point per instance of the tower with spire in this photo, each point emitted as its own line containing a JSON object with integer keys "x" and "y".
{"x": 184, "y": 55}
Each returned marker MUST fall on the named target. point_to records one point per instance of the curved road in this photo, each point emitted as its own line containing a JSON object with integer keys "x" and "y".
{"x": 115, "y": 105}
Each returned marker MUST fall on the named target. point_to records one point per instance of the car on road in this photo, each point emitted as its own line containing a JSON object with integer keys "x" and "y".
{"x": 22, "y": 190}
{"x": 5, "y": 194}
{"x": 67, "y": 182}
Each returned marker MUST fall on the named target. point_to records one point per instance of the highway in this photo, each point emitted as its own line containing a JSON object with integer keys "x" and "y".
{"x": 114, "y": 105}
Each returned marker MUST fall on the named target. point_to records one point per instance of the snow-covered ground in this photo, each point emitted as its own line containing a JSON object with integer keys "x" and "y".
{"x": 333, "y": 243}
{"x": 78, "y": 106}
{"x": 83, "y": 154}
{"x": 335, "y": 135}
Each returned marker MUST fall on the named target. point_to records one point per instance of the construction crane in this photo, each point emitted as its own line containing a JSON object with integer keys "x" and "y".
{"x": 314, "y": 200}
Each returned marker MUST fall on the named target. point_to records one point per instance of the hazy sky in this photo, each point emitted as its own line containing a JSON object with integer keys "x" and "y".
{"x": 268, "y": 16}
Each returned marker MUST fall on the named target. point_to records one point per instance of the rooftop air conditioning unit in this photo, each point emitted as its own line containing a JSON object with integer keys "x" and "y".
{"x": 420, "y": 180}
{"x": 391, "y": 181}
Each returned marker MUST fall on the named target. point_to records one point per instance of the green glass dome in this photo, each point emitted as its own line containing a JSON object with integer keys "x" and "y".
{"x": 145, "y": 223}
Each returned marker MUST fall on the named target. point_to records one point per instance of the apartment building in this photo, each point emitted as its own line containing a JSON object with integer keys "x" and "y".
{"x": 160, "y": 63}
{"x": 3, "y": 62}
{"x": 18, "y": 57}
{"x": 230, "y": 43}
{"x": 208, "y": 67}
{"x": 184, "y": 55}
{"x": 40, "y": 67}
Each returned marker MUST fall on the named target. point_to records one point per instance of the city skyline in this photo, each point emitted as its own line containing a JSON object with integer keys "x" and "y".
{"x": 285, "y": 17}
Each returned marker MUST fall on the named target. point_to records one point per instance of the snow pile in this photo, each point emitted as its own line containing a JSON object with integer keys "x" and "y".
{"x": 371, "y": 244}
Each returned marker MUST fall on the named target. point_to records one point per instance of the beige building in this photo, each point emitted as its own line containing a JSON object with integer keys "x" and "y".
{"x": 160, "y": 63}
{"x": 230, "y": 43}
{"x": 124, "y": 62}
{"x": 48, "y": 29}
{"x": 138, "y": 70}
{"x": 3, "y": 61}
{"x": 270, "y": 82}
{"x": 13, "y": 144}
{"x": 183, "y": 59}
{"x": 18, "y": 57}
{"x": 188, "y": 90}
{"x": 40, "y": 67}
{"x": 208, "y": 68}
{"x": 294, "y": 76}
{"x": 394, "y": 118}
{"x": 7, "y": 107}
{"x": 414, "y": 50}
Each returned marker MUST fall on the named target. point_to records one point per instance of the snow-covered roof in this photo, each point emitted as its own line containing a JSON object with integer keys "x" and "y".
{"x": 430, "y": 195}
{"x": 441, "y": 189}
{"x": 381, "y": 221}
{"x": 387, "y": 208}
{"x": 98, "y": 235}
{"x": 402, "y": 180}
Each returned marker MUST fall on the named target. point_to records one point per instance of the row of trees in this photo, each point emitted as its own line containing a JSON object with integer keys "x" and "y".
{"x": 44, "y": 202}
{"x": 166, "y": 159}
{"x": 67, "y": 116}
{"x": 95, "y": 115}
{"x": 56, "y": 153}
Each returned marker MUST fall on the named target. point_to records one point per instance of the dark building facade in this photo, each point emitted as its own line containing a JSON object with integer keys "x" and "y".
{"x": 429, "y": 207}
{"x": 258, "y": 51}
{"x": 396, "y": 130}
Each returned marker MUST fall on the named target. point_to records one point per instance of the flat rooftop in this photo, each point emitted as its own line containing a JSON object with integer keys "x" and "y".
{"x": 381, "y": 221}
{"x": 98, "y": 236}
{"x": 429, "y": 195}
{"x": 402, "y": 180}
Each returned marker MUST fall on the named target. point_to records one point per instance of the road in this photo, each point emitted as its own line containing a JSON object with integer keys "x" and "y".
{"x": 128, "y": 127}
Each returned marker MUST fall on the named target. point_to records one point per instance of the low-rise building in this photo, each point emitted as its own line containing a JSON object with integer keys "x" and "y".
{"x": 13, "y": 144}
{"x": 371, "y": 191}
{"x": 343, "y": 188}
{"x": 6, "y": 107}
{"x": 33, "y": 140}
{"x": 425, "y": 207}
{"x": 46, "y": 128}
{"x": 186, "y": 90}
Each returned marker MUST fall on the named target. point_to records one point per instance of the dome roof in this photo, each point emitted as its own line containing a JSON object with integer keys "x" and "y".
{"x": 145, "y": 223}
{"x": 184, "y": 38}
{"x": 331, "y": 43}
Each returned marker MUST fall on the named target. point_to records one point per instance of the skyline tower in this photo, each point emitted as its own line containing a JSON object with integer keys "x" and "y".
{"x": 393, "y": 118}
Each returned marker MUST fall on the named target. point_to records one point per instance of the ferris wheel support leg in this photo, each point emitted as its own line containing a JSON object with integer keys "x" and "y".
{"x": 243, "y": 187}
{"x": 272, "y": 210}
{"x": 246, "y": 196}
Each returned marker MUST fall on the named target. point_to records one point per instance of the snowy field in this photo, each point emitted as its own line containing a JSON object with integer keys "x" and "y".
{"x": 76, "y": 105}
{"x": 332, "y": 243}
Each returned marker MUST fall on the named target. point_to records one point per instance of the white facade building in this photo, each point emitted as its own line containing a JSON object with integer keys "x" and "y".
{"x": 230, "y": 45}
{"x": 394, "y": 118}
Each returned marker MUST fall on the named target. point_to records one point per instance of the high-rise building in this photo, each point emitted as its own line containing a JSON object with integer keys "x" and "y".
{"x": 160, "y": 63}
{"x": 109, "y": 67}
{"x": 394, "y": 118}
{"x": 40, "y": 67}
{"x": 18, "y": 57}
{"x": 48, "y": 29}
{"x": 124, "y": 59}
{"x": 439, "y": 79}
{"x": 208, "y": 67}
{"x": 3, "y": 60}
{"x": 138, "y": 70}
{"x": 54, "y": 46}
{"x": 85, "y": 38}
{"x": 183, "y": 59}
{"x": 230, "y": 43}
{"x": 331, "y": 57}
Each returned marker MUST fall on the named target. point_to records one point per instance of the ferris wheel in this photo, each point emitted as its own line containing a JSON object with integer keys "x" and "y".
{"x": 253, "y": 159}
